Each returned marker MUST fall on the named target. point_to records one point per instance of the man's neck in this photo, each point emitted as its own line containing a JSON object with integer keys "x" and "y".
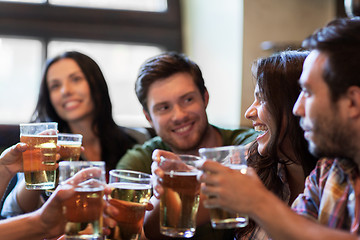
{"x": 212, "y": 138}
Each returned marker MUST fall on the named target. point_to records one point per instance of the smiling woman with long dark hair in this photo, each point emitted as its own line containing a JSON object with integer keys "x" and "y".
{"x": 280, "y": 153}
{"x": 74, "y": 93}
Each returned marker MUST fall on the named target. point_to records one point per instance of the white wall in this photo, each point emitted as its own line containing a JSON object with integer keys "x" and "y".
{"x": 224, "y": 37}
{"x": 213, "y": 35}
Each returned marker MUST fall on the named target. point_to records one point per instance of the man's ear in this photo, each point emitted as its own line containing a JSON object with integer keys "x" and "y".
{"x": 353, "y": 94}
{"x": 206, "y": 97}
{"x": 147, "y": 116}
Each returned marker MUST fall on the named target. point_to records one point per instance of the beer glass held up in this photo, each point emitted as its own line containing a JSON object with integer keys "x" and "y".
{"x": 130, "y": 193}
{"x": 234, "y": 158}
{"x": 70, "y": 146}
{"x": 39, "y": 161}
{"x": 70, "y": 150}
{"x": 180, "y": 201}
{"x": 84, "y": 211}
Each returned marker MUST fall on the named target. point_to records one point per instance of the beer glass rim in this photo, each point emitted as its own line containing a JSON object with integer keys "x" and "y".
{"x": 187, "y": 159}
{"x": 69, "y": 135}
{"x": 37, "y": 123}
{"x": 222, "y": 148}
{"x": 117, "y": 173}
{"x": 183, "y": 157}
{"x": 82, "y": 163}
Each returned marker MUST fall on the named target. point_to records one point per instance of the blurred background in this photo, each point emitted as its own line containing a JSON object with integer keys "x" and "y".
{"x": 223, "y": 36}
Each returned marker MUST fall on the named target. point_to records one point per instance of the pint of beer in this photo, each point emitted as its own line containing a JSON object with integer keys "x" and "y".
{"x": 84, "y": 211}
{"x": 130, "y": 193}
{"x": 70, "y": 150}
{"x": 39, "y": 161}
{"x": 234, "y": 158}
{"x": 70, "y": 146}
{"x": 180, "y": 201}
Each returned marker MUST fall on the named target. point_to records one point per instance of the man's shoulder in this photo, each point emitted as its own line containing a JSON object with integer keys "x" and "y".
{"x": 139, "y": 157}
{"x": 147, "y": 147}
{"x": 325, "y": 165}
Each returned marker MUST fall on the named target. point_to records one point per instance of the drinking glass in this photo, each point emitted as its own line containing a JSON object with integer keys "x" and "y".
{"x": 180, "y": 201}
{"x": 39, "y": 160}
{"x": 70, "y": 149}
{"x": 234, "y": 158}
{"x": 130, "y": 193}
{"x": 70, "y": 146}
{"x": 83, "y": 211}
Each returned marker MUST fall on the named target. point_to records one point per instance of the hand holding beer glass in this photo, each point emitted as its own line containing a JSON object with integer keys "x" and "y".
{"x": 84, "y": 211}
{"x": 234, "y": 158}
{"x": 130, "y": 194}
{"x": 180, "y": 199}
{"x": 39, "y": 161}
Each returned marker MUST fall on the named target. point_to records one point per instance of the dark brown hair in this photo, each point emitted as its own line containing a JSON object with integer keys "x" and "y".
{"x": 340, "y": 41}
{"x": 104, "y": 126}
{"x": 163, "y": 66}
{"x": 277, "y": 78}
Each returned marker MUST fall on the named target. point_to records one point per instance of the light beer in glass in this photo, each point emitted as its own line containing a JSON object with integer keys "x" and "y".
{"x": 131, "y": 192}
{"x": 70, "y": 150}
{"x": 234, "y": 158}
{"x": 84, "y": 211}
{"x": 39, "y": 160}
{"x": 70, "y": 146}
{"x": 180, "y": 201}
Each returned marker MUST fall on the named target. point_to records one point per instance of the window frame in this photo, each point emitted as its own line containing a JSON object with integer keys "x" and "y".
{"x": 46, "y": 21}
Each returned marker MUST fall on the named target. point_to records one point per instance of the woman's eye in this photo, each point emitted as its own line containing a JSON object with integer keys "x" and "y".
{"x": 77, "y": 78}
{"x": 54, "y": 86}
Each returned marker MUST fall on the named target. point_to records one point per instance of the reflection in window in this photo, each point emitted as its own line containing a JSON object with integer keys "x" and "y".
{"x": 138, "y": 5}
{"x": 120, "y": 64}
{"x": 20, "y": 70}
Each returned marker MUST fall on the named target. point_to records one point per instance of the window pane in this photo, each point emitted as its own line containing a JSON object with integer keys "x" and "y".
{"x": 24, "y": 1}
{"x": 120, "y": 64}
{"x": 20, "y": 71}
{"x": 139, "y": 5}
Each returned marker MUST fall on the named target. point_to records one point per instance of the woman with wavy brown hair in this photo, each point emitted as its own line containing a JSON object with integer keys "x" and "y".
{"x": 280, "y": 153}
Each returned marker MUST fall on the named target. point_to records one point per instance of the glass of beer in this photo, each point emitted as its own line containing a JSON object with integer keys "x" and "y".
{"x": 39, "y": 161}
{"x": 130, "y": 193}
{"x": 234, "y": 158}
{"x": 70, "y": 146}
{"x": 180, "y": 201}
{"x": 70, "y": 150}
{"x": 84, "y": 211}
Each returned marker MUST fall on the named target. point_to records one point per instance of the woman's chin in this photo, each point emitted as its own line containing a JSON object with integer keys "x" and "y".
{"x": 262, "y": 150}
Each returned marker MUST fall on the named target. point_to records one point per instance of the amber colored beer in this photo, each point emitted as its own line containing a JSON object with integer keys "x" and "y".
{"x": 69, "y": 152}
{"x": 221, "y": 219}
{"x": 131, "y": 200}
{"x": 39, "y": 161}
{"x": 83, "y": 214}
{"x": 179, "y": 204}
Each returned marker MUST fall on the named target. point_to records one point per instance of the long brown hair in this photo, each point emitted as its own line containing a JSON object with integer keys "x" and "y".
{"x": 113, "y": 139}
{"x": 277, "y": 78}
